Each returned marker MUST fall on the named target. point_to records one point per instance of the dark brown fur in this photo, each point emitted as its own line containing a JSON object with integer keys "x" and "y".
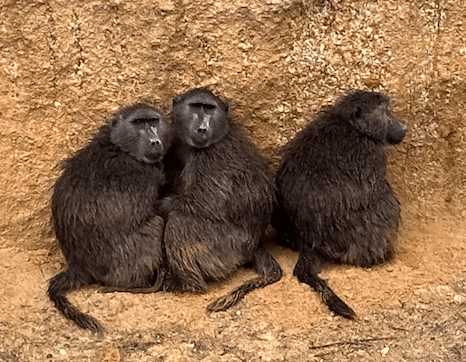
{"x": 103, "y": 210}
{"x": 220, "y": 203}
{"x": 335, "y": 203}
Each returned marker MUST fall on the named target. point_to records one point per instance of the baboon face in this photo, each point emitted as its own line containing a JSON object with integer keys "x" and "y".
{"x": 200, "y": 118}
{"x": 370, "y": 114}
{"x": 142, "y": 132}
{"x": 394, "y": 129}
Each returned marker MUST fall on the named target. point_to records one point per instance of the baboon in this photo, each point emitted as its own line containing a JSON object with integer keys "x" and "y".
{"x": 103, "y": 210}
{"x": 220, "y": 202}
{"x": 334, "y": 202}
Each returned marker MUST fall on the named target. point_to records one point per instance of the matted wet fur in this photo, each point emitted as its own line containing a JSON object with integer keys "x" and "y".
{"x": 334, "y": 202}
{"x": 103, "y": 210}
{"x": 220, "y": 203}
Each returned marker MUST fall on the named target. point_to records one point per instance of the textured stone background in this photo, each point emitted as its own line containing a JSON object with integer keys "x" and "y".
{"x": 65, "y": 66}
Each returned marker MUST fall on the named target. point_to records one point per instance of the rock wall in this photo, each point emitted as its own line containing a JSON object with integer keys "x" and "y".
{"x": 66, "y": 66}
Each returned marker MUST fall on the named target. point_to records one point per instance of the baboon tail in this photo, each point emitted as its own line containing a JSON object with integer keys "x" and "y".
{"x": 306, "y": 270}
{"x": 269, "y": 272}
{"x": 62, "y": 283}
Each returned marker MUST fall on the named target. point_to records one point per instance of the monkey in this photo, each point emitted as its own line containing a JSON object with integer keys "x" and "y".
{"x": 103, "y": 210}
{"x": 334, "y": 203}
{"x": 219, "y": 204}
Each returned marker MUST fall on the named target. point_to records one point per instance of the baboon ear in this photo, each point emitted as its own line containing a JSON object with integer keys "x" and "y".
{"x": 176, "y": 99}
{"x": 357, "y": 112}
{"x": 115, "y": 120}
{"x": 225, "y": 104}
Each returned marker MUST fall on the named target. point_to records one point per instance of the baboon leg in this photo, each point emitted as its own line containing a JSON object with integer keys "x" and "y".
{"x": 307, "y": 271}
{"x": 269, "y": 272}
{"x": 152, "y": 289}
{"x": 63, "y": 283}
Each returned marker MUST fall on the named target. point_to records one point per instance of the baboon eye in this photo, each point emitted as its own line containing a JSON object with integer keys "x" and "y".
{"x": 141, "y": 121}
{"x": 196, "y": 105}
{"x": 202, "y": 105}
{"x": 152, "y": 121}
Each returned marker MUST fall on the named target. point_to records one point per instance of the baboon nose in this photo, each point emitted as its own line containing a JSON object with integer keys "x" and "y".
{"x": 201, "y": 130}
{"x": 396, "y": 134}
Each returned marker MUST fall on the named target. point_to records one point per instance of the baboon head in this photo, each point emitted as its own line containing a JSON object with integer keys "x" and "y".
{"x": 369, "y": 112}
{"x": 200, "y": 117}
{"x": 141, "y": 131}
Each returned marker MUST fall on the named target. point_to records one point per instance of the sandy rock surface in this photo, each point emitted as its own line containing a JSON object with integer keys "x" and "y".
{"x": 65, "y": 66}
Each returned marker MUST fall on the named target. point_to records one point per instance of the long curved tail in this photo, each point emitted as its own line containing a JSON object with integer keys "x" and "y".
{"x": 61, "y": 284}
{"x": 269, "y": 272}
{"x": 307, "y": 271}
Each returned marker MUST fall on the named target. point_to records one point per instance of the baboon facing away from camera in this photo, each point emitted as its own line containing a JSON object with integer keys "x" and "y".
{"x": 220, "y": 203}
{"x": 334, "y": 202}
{"x": 103, "y": 210}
